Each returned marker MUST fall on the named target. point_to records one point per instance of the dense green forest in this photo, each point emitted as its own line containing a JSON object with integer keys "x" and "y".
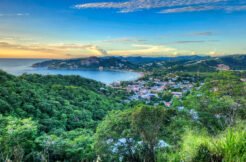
{"x": 40, "y": 109}
{"x": 68, "y": 118}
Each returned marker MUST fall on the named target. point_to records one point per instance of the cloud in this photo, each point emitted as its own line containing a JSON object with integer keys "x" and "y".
{"x": 214, "y": 53}
{"x": 145, "y": 49}
{"x": 136, "y": 49}
{"x": 136, "y": 5}
{"x": 204, "y": 8}
{"x": 185, "y": 42}
{"x": 11, "y": 39}
{"x": 235, "y": 8}
{"x": 194, "y": 41}
{"x": 78, "y": 50}
{"x": 22, "y": 14}
{"x": 93, "y": 48}
{"x": 26, "y": 48}
{"x": 188, "y": 9}
{"x": 55, "y": 48}
{"x": 125, "y": 40}
{"x": 207, "y": 33}
{"x": 14, "y": 14}
{"x": 98, "y": 50}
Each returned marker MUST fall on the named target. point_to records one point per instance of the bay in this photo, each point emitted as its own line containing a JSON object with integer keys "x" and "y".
{"x": 21, "y": 66}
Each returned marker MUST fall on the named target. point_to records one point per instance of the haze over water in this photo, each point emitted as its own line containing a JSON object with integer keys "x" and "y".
{"x": 21, "y": 66}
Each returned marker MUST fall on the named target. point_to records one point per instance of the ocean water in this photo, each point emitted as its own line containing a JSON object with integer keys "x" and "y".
{"x": 21, "y": 66}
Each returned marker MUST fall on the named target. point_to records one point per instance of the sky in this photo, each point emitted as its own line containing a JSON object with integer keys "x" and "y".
{"x": 82, "y": 28}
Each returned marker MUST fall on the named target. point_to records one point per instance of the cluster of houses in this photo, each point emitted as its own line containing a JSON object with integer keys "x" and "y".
{"x": 223, "y": 67}
{"x": 152, "y": 89}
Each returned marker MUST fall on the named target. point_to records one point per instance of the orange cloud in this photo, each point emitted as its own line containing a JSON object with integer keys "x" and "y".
{"x": 9, "y": 50}
{"x": 14, "y": 53}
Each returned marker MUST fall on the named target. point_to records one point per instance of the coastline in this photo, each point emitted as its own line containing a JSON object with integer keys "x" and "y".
{"x": 142, "y": 74}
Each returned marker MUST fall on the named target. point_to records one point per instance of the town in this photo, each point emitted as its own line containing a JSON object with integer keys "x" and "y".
{"x": 163, "y": 91}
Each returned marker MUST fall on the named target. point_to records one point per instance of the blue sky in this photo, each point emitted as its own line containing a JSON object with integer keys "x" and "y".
{"x": 78, "y": 28}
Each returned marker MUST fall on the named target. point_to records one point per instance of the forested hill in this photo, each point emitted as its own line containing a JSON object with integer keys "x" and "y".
{"x": 110, "y": 62}
{"x": 237, "y": 62}
{"x": 181, "y": 63}
{"x": 234, "y": 62}
{"x": 113, "y": 63}
{"x": 144, "y": 60}
{"x": 55, "y": 102}
{"x": 77, "y": 81}
{"x": 68, "y": 118}
{"x": 209, "y": 64}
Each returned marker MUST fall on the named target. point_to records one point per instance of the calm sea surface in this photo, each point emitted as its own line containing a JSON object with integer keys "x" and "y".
{"x": 20, "y": 66}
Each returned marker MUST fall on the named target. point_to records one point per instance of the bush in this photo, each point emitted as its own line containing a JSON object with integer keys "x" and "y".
{"x": 229, "y": 146}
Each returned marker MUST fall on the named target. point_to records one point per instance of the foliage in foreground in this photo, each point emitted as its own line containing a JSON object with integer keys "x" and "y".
{"x": 50, "y": 117}
{"x": 229, "y": 146}
{"x": 56, "y": 118}
{"x": 134, "y": 134}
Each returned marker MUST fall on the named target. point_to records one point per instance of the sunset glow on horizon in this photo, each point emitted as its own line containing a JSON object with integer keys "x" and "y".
{"x": 78, "y": 28}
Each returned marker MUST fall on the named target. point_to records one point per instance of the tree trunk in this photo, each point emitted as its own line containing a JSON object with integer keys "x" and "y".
{"x": 150, "y": 154}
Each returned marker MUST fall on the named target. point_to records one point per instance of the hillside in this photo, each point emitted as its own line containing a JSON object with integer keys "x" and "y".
{"x": 236, "y": 62}
{"x": 56, "y": 102}
{"x": 101, "y": 63}
{"x": 180, "y": 63}
{"x": 68, "y": 118}
{"x": 144, "y": 60}
{"x": 111, "y": 62}
{"x": 232, "y": 62}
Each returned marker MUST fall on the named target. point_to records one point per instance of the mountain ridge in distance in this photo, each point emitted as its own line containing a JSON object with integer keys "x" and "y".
{"x": 235, "y": 62}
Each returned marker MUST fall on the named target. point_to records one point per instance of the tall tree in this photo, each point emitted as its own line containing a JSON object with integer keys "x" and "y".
{"x": 133, "y": 134}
